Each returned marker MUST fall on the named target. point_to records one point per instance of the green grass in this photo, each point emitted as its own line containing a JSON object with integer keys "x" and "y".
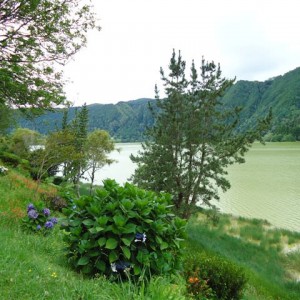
{"x": 255, "y": 248}
{"x": 34, "y": 267}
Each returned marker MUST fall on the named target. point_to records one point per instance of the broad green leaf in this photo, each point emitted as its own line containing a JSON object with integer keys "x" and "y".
{"x": 120, "y": 220}
{"x": 129, "y": 228}
{"x": 128, "y": 204}
{"x": 113, "y": 256}
{"x": 111, "y": 243}
{"x": 143, "y": 257}
{"x": 126, "y": 252}
{"x": 102, "y": 241}
{"x": 87, "y": 269}
{"x": 158, "y": 239}
{"x": 164, "y": 246}
{"x": 100, "y": 265}
{"x": 83, "y": 261}
{"x": 148, "y": 221}
{"x": 102, "y": 220}
{"x": 88, "y": 222}
{"x": 101, "y": 193}
{"x": 92, "y": 230}
{"x": 136, "y": 270}
{"x": 126, "y": 241}
{"x": 99, "y": 229}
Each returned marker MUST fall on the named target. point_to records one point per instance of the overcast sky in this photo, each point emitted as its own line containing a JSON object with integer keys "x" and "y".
{"x": 251, "y": 39}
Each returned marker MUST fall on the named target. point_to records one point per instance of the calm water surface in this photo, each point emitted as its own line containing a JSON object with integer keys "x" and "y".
{"x": 267, "y": 186}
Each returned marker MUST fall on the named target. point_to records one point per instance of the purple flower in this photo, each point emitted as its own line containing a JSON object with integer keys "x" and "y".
{"x": 30, "y": 207}
{"x": 46, "y": 212}
{"x": 38, "y": 227}
{"x": 32, "y": 214}
{"x": 49, "y": 225}
{"x": 53, "y": 220}
{"x": 140, "y": 237}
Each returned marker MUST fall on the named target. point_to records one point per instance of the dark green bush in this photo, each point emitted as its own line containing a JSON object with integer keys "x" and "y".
{"x": 10, "y": 159}
{"x": 56, "y": 203}
{"x": 225, "y": 278}
{"x": 123, "y": 230}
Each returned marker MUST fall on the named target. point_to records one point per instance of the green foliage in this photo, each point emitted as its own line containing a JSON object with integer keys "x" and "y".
{"x": 98, "y": 145}
{"x": 10, "y": 158}
{"x": 125, "y": 121}
{"x": 204, "y": 271}
{"x": 123, "y": 230}
{"x": 35, "y": 36}
{"x": 38, "y": 219}
{"x": 198, "y": 288}
{"x": 193, "y": 141}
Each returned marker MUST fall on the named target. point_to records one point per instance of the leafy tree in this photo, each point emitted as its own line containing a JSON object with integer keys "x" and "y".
{"x": 6, "y": 115}
{"x": 98, "y": 145}
{"x": 193, "y": 140}
{"x": 35, "y": 37}
{"x": 58, "y": 149}
{"x": 21, "y": 141}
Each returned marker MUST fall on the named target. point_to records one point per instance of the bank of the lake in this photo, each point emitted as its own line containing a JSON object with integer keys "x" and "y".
{"x": 267, "y": 186}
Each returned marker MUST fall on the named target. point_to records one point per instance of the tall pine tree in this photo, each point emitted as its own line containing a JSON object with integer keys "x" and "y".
{"x": 193, "y": 140}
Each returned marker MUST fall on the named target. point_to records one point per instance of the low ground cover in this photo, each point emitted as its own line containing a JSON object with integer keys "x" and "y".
{"x": 33, "y": 266}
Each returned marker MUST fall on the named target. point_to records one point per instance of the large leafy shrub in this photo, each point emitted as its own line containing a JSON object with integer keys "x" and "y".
{"x": 123, "y": 230}
{"x": 226, "y": 279}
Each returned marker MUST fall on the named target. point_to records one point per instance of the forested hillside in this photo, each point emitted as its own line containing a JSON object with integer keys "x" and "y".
{"x": 281, "y": 94}
{"x": 126, "y": 121}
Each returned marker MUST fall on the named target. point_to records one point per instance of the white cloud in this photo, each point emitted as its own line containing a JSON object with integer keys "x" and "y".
{"x": 253, "y": 40}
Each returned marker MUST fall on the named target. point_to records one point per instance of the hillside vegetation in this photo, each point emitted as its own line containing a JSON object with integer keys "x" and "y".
{"x": 127, "y": 121}
{"x": 34, "y": 266}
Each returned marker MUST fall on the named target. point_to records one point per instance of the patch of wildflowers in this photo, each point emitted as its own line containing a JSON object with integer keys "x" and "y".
{"x": 33, "y": 214}
{"x": 46, "y": 212}
{"x": 49, "y": 225}
{"x": 38, "y": 219}
{"x": 30, "y": 207}
{"x": 53, "y": 220}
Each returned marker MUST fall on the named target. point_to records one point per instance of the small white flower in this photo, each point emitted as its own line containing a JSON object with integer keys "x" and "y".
{"x": 113, "y": 267}
{"x": 140, "y": 237}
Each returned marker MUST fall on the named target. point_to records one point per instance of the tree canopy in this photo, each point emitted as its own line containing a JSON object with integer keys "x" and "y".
{"x": 36, "y": 36}
{"x": 193, "y": 139}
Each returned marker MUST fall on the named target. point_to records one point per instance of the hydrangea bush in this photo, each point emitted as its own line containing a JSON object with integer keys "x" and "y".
{"x": 124, "y": 230}
{"x": 39, "y": 219}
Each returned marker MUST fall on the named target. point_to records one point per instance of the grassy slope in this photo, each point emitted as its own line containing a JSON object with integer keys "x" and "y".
{"x": 259, "y": 248}
{"x": 33, "y": 267}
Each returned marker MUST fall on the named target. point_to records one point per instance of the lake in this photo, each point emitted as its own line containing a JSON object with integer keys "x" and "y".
{"x": 267, "y": 186}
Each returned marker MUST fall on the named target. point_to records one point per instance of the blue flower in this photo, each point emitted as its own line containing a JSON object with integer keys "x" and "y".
{"x": 53, "y": 220}
{"x": 120, "y": 266}
{"x": 38, "y": 227}
{"x": 30, "y": 207}
{"x": 140, "y": 237}
{"x": 32, "y": 214}
{"x": 49, "y": 225}
{"x": 46, "y": 212}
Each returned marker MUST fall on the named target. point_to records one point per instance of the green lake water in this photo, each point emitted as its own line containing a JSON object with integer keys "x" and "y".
{"x": 267, "y": 186}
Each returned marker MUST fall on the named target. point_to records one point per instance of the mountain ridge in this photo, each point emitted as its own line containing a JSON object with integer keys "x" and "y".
{"x": 126, "y": 121}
